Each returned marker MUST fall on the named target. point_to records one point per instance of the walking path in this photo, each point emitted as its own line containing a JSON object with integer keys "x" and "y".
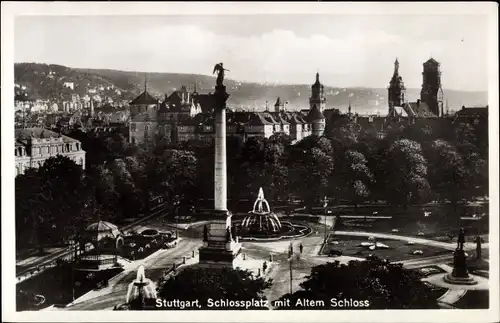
{"x": 452, "y": 296}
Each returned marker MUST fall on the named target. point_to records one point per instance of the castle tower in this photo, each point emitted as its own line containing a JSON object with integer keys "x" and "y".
{"x": 432, "y": 93}
{"x": 278, "y": 106}
{"x": 317, "y": 120}
{"x": 318, "y": 98}
{"x": 396, "y": 89}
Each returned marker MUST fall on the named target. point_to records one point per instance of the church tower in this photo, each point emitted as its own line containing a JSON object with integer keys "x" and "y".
{"x": 318, "y": 98}
{"x": 396, "y": 89}
{"x": 432, "y": 93}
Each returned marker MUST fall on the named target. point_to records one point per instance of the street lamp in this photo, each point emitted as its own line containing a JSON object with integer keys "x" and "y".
{"x": 176, "y": 212}
{"x": 290, "y": 257}
{"x": 325, "y": 204}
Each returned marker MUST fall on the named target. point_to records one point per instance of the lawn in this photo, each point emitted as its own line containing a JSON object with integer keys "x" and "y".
{"x": 398, "y": 249}
{"x": 431, "y": 227}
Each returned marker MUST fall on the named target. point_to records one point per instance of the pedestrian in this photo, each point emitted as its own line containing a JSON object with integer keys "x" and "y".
{"x": 301, "y": 247}
{"x": 264, "y": 267}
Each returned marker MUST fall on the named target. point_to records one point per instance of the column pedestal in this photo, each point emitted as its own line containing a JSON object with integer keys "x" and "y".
{"x": 219, "y": 247}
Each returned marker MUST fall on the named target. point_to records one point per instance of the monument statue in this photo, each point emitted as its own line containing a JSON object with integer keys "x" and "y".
{"x": 461, "y": 239}
{"x": 219, "y": 68}
{"x": 205, "y": 233}
{"x": 460, "y": 275}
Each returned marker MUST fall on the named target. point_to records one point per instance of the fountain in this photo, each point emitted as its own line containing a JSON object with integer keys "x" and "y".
{"x": 261, "y": 220}
{"x": 264, "y": 225}
{"x": 141, "y": 291}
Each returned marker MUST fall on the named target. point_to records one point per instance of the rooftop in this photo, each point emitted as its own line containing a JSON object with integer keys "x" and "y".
{"x": 419, "y": 109}
{"x": 39, "y": 133}
{"x": 144, "y": 98}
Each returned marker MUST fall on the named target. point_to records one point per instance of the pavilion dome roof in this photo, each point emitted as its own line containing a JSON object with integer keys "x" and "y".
{"x": 102, "y": 229}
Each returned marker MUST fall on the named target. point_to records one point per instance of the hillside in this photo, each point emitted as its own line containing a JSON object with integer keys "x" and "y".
{"x": 47, "y": 82}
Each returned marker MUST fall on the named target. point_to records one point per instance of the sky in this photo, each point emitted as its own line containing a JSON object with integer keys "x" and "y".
{"x": 347, "y": 50}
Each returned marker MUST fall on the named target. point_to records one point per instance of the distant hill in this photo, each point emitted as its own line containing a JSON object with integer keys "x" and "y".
{"x": 44, "y": 81}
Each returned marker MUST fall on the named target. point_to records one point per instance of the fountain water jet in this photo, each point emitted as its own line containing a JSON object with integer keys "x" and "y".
{"x": 261, "y": 219}
{"x": 141, "y": 290}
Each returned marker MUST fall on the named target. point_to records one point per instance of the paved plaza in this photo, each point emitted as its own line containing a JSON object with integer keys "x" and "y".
{"x": 275, "y": 254}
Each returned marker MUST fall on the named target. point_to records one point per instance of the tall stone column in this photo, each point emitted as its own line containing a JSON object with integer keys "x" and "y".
{"x": 219, "y": 246}
{"x": 220, "y": 179}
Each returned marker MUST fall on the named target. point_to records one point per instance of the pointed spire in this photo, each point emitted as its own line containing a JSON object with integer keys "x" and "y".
{"x": 145, "y": 82}
{"x": 396, "y": 67}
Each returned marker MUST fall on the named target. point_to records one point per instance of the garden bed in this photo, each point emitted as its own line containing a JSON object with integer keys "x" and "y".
{"x": 430, "y": 270}
{"x": 398, "y": 249}
{"x": 137, "y": 246}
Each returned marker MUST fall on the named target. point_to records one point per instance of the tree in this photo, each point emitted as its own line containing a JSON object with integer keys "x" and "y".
{"x": 343, "y": 132}
{"x": 195, "y": 283}
{"x": 447, "y": 172}
{"x": 261, "y": 165}
{"x": 406, "y": 169}
{"x": 51, "y": 199}
{"x": 383, "y": 284}
{"x": 309, "y": 173}
{"x": 353, "y": 175}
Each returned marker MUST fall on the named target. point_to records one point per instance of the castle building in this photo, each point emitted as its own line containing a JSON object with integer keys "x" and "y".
{"x": 432, "y": 93}
{"x": 186, "y": 115}
{"x": 143, "y": 117}
{"x": 35, "y": 145}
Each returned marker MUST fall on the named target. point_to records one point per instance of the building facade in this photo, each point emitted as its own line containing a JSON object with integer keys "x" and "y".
{"x": 35, "y": 145}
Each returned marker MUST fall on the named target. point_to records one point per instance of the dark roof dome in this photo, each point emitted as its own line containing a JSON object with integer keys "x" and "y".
{"x": 102, "y": 229}
{"x": 315, "y": 114}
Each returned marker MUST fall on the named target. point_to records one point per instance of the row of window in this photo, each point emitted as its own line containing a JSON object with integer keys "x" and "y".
{"x": 21, "y": 151}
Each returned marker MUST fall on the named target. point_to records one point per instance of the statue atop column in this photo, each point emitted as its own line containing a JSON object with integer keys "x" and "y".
{"x": 219, "y": 68}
